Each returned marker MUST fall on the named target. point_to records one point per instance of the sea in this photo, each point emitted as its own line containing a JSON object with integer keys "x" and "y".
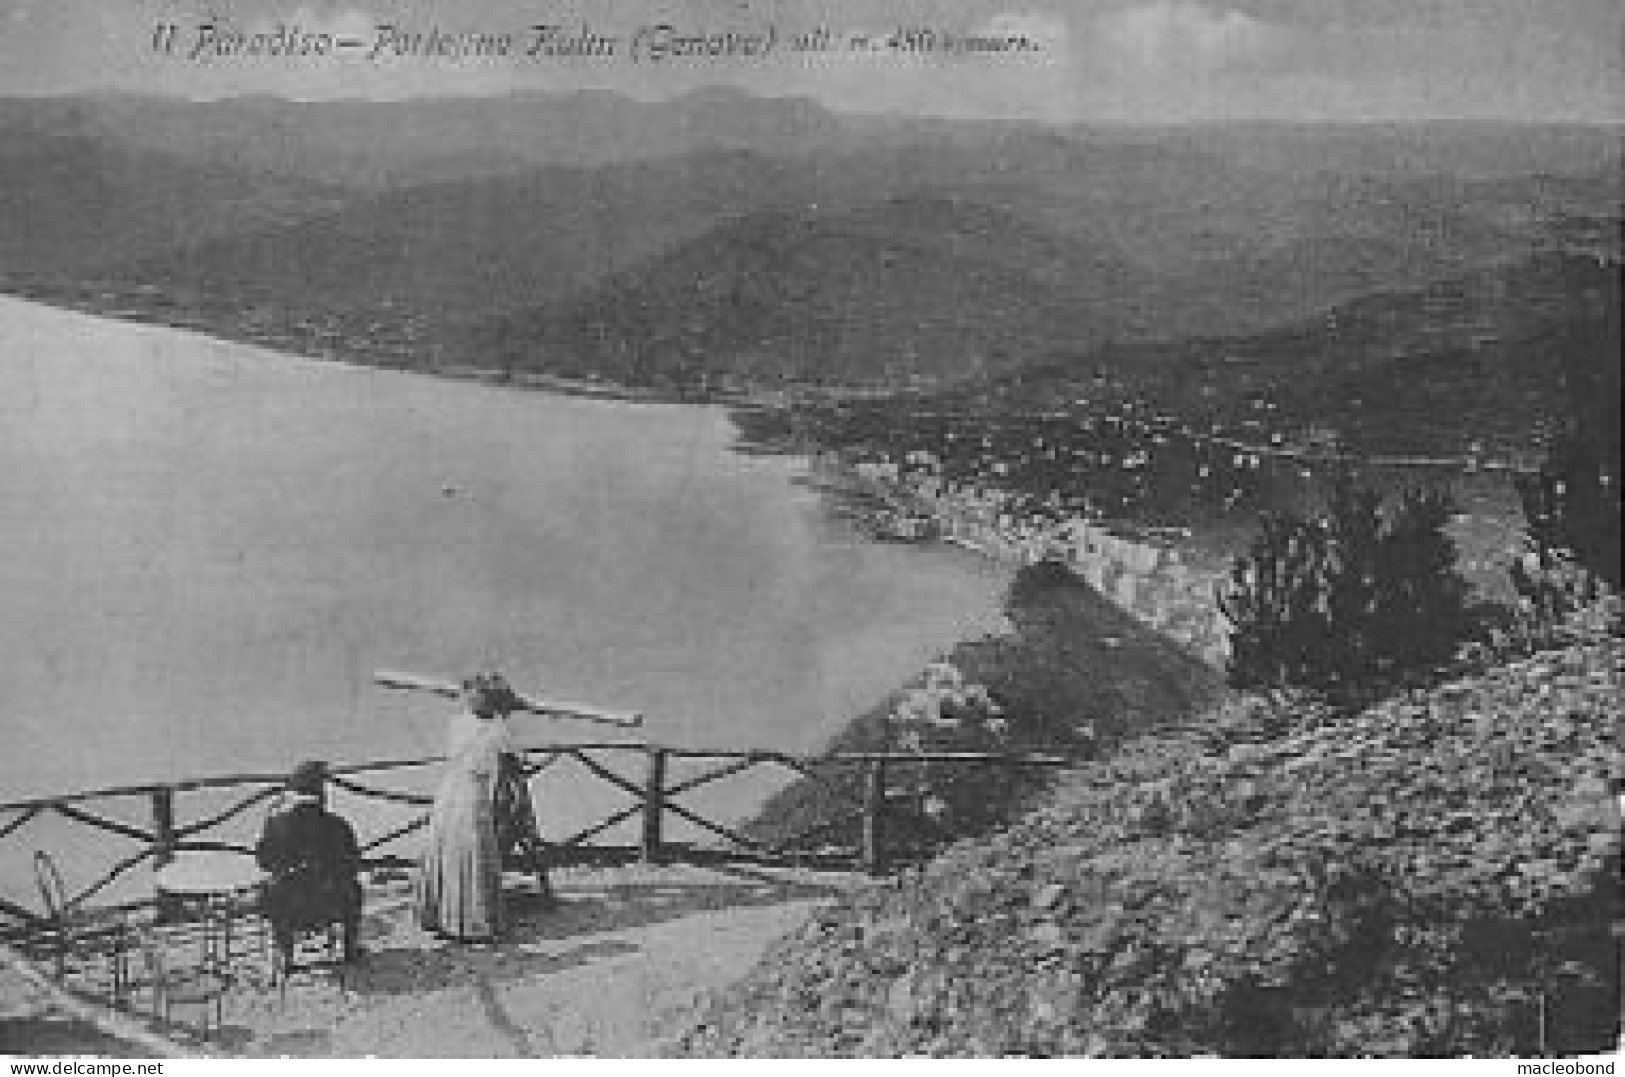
{"x": 207, "y": 549}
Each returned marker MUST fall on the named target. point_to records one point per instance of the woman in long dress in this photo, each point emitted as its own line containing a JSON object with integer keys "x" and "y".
{"x": 459, "y": 886}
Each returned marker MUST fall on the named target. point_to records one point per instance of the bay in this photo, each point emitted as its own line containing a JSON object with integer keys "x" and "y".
{"x": 207, "y": 548}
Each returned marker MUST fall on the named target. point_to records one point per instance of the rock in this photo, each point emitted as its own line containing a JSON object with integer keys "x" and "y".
{"x": 900, "y": 998}
{"x": 1048, "y": 934}
{"x": 1467, "y": 804}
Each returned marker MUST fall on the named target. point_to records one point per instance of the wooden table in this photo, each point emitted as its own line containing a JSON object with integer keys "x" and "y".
{"x": 221, "y": 885}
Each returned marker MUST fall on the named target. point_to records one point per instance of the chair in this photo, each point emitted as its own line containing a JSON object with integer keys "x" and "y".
{"x": 285, "y": 948}
{"x": 70, "y": 932}
{"x": 319, "y": 915}
{"x": 205, "y": 983}
{"x": 519, "y": 839}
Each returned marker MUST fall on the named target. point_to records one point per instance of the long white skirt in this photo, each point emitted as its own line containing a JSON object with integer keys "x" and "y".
{"x": 459, "y": 885}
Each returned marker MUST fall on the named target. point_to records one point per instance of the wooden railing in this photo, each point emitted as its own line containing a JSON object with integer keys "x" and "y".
{"x": 170, "y": 829}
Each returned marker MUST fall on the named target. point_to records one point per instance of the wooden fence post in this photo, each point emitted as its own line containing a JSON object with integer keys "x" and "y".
{"x": 163, "y": 826}
{"x": 874, "y": 821}
{"x": 654, "y": 805}
{"x": 163, "y": 847}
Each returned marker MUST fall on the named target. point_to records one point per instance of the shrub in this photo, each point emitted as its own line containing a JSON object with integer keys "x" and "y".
{"x": 1571, "y": 536}
{"x": 1571, "y": 507}
{"x": 1361, "y": 587}
{"x": 1421, "y": 608}
{"x": 1353, "y": 597}
{"x": 1274, "y": 602}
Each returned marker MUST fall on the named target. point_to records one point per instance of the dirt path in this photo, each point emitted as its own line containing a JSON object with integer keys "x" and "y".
{"x": 32, "y": 1022}
{"x": 607, "y": 974}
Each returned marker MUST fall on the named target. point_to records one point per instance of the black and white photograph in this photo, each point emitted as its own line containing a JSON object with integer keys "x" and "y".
{"x": 810, "y": 529}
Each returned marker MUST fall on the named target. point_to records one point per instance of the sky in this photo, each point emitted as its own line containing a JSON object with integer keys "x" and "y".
{"x": 1084, "y": 60}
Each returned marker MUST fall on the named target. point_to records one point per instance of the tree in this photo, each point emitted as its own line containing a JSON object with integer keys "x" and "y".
{"x": 1274, "y": 601}
{"x": 1349, "y": 598}
{"x": 1353, "y": 582}
{"x": 1571, "y": 506}
{"x": 1421, "y": 607}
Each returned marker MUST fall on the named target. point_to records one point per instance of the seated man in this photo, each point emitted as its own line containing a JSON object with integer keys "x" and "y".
{"x": 312, "y": 858}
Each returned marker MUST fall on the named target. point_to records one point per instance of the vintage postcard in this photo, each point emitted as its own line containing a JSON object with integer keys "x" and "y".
{"x": 810, "y": 528}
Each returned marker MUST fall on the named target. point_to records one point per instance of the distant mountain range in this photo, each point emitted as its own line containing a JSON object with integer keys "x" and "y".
{"x": 920, "y": 287}
{"x": 70, "y": 202}
{"x": 379, "y": 145}
{"x": 721, "y": 237}
{"x": 408, "y": 142}
{"x": 469, "y": 247}
{"x": 1482, "y": 356}
{"x": 1005, "y": 254}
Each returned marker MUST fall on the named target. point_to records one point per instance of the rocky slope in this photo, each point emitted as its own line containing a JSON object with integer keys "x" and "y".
{"x": 1072, "y": 675}
{"x": 1436, "y": 875}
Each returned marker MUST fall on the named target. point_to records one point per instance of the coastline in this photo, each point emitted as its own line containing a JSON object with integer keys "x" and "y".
{"x": 1161, "y": 584}
{"x": 1073, "y": 674}
{"x": 337, "y": 381}
{"x": 143, "y": 307}
{"x": 322, "y": 343}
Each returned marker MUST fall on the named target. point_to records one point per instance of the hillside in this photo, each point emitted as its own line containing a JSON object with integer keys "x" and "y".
{"x": 1233, "y": 246}
{"x": 1437, "y": 875}
{"x": 382, "y": 144}
{"x": 1476, "y": 151}
{"x": 1186, "y": 206}
{"x": 1074, "y": 675}
{"x": 468, "y": 248}
{"x": 720, "y": 238}
{"x": 386, "y": 144}
{"x": 1030, "y": 248}
{"x": 917, "y": 288}
{"x": 471, "y": 247}
{"x": 1118, "y": 241}
{"x": 1473, "y": 357}
{"x": 72, "y": 202}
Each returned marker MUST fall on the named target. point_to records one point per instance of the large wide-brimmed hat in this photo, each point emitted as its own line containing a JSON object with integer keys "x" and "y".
{"x": 308, "y": 777}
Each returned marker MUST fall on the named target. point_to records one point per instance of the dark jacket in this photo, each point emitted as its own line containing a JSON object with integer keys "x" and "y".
{"x": 312, "y": 858}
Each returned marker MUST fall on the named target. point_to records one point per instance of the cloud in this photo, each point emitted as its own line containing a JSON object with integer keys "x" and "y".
{"x": 1137, "y": 60}
{"x": 1032, "y": 83}
{"x": 1036, "y": 85}
{"x": 1048, "y": 30}
{"x": 1181, "y": 39}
